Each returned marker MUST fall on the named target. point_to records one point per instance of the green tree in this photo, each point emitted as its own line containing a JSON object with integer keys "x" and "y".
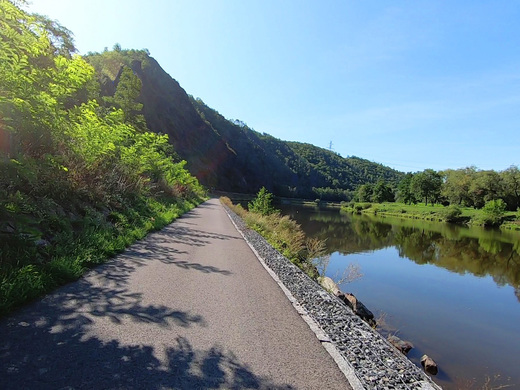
{"x": 364, "y": 192}
{"x": 125, "y": 98}
{"x": 426, "y": 185}
{"x": 485, "y": 186}
{"x": 494, "y": 212}
{"x": 36, "y": 79}
{"x": 263, "y": 203}
{"x": 404, "y": 190}
{"x": 60, "y": 37}
{"x": 511, "y": 182}
{"x": 382, "y": 193}
{"x": 456, "y": 185}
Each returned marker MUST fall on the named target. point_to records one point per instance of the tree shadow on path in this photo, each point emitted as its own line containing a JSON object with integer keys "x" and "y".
{"x": 71, "y": 339}
{"x": 38, "y": 357}
{"x": 54, "y": 343}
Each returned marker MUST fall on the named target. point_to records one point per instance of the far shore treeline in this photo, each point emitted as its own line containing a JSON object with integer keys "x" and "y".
{"x": 467, "y": 187}
{"x": 481, "y": 197}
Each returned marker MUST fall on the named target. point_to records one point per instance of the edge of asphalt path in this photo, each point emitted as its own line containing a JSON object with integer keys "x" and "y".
{"x": 344, "y": 366}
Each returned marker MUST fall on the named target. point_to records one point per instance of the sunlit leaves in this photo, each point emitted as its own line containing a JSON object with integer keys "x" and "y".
{"x": 44, "y": 102}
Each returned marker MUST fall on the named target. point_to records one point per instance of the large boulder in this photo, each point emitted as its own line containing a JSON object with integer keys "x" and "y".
{"x": 401, "y": 345}
{"x": 357, "y": 307}
{"x": 329, "y": 285}
{"x": 429, "y": 365}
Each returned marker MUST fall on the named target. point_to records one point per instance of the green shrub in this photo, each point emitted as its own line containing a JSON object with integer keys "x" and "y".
{"x": 494, "y": 211}
{"x": 262, "y": 204}
{"x": 358, "y": 207}
{"x": 451, "y": 213}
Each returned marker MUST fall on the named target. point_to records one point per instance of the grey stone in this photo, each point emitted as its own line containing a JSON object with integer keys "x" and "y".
{"x": 401, "y": 345}
{"x": 357, "y": 307}
{"x": 41, "y": 243}
{"x": 329, "y": 285}
{"x": 9, "y": 228}
{"x": 429, "y": 365}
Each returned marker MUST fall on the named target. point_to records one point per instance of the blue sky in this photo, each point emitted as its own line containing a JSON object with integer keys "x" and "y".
{"x": 410, "y": 84}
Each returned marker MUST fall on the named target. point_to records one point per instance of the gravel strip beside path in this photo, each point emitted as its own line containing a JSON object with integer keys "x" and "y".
{"x": 376, "y": 363}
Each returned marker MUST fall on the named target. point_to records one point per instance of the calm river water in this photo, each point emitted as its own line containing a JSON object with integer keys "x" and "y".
{"x": 454, "y": 292}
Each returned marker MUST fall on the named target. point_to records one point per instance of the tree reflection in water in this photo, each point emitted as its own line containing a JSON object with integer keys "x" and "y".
{"x": 448, "y": 289}
{"x": 458, "y": 249}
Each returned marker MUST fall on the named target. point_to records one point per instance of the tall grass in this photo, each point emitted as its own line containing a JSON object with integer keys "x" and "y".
{"x": 284, "y": 234}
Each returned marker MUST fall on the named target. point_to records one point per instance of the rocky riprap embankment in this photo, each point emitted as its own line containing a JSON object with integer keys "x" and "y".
{"x": 376, "y": 363}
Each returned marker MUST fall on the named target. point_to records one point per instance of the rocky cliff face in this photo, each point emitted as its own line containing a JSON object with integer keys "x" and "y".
{"x": 220, "y": 154}
{"x": 167, "y": 109}
{"x": 227, "y": 155}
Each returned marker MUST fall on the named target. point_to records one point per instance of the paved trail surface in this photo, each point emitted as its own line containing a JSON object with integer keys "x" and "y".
{"x": 189, "y": 307}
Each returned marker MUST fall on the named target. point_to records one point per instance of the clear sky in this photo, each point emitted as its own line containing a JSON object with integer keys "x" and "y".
{"x": 410, "y": 84}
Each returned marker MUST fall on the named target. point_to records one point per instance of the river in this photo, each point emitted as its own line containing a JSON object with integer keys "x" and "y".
{"x": 453, "y": 291}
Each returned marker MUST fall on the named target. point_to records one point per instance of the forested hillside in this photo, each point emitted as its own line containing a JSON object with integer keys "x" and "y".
{"x": 228, "y": 155}
{"x": 96, "y": 151}
{"x": 81, "y": 176}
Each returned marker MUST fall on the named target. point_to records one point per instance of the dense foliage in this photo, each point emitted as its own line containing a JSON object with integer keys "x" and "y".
{"x": 473, "y": 188}
{"x": 344, "y": 174}
{"x": 467, "y": 187}
{"x": 81, "y": 177}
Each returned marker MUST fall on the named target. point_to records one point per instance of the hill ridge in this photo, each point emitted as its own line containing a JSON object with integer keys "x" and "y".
{"x": 227, "y": 155}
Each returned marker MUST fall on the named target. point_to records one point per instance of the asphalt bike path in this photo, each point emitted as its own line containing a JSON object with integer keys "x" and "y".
{"x": 188, "y": 307}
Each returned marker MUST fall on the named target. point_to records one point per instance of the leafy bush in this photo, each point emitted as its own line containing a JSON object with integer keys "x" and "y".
{"x": 494, "y": 211}
{"x": 358, "y": 207}
{"x": 452, "y": 213}
{"x": 263, "y": 203}
{"x": 284, "y": 234}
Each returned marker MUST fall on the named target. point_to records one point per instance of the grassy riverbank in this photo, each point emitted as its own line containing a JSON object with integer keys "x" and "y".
{"x": 284, "y": 234}
{"x": 439, "y": 213}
